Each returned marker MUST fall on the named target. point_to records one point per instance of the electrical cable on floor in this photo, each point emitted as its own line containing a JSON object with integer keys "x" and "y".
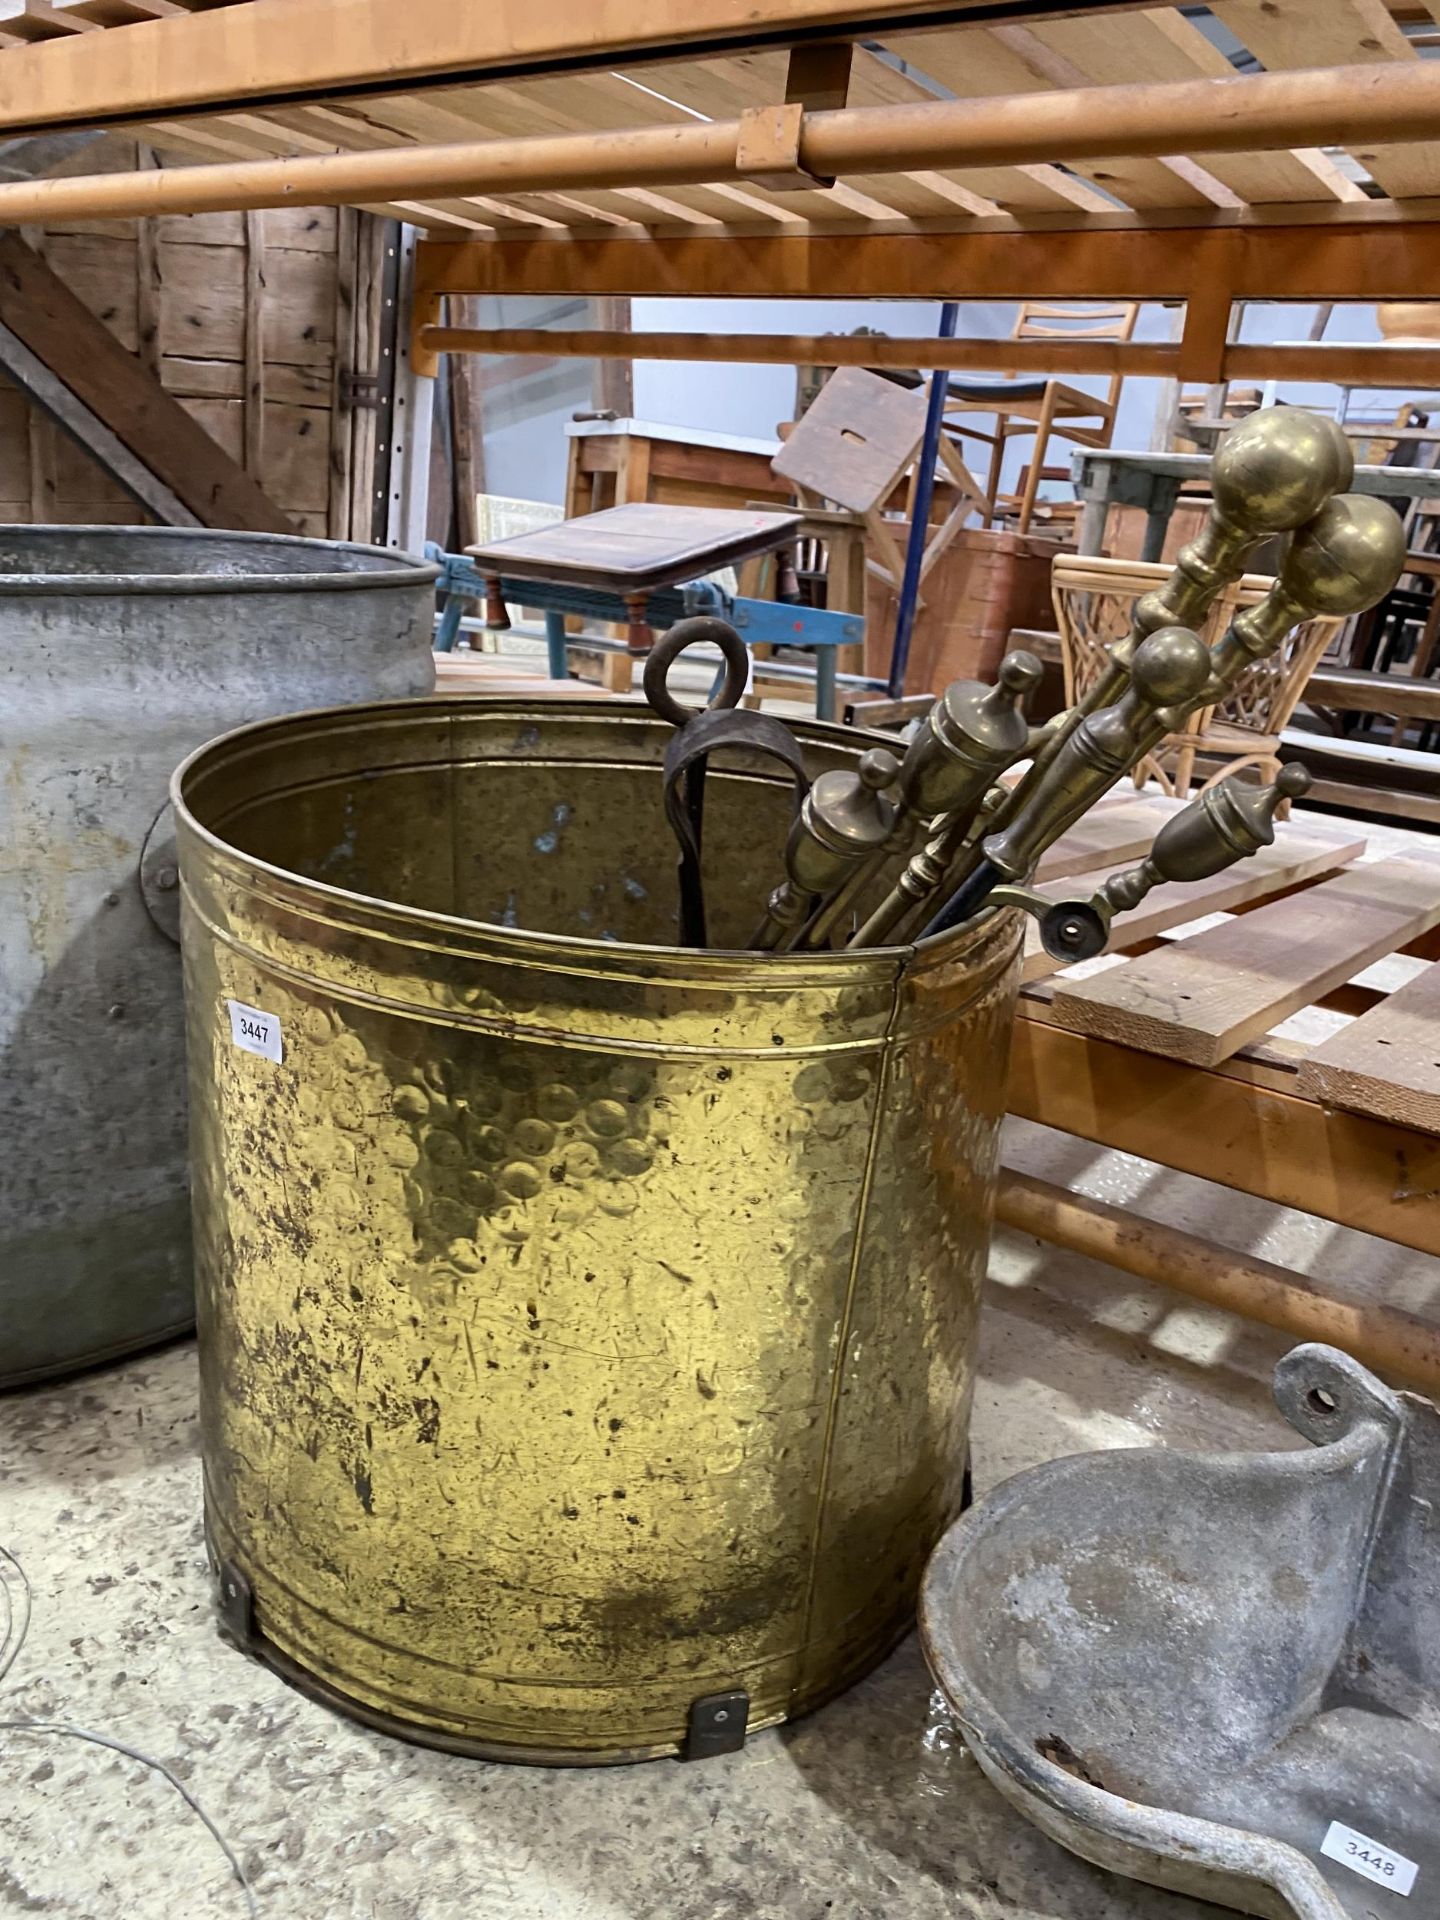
{"x": 17, "y": 1626}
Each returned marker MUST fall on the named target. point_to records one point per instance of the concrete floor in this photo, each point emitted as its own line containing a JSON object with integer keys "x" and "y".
{"x": 870, "y": 1808}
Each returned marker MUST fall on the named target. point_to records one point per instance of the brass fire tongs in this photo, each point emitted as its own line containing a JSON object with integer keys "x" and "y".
{"x": 723, "y": 722}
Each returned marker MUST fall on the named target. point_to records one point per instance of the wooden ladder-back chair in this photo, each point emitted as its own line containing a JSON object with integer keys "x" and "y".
{"x": 1047, "y": 408}
{"x": 1094, "y": 600}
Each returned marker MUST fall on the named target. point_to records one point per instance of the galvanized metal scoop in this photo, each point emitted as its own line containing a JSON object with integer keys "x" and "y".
{"x": 1214, "y": 1672}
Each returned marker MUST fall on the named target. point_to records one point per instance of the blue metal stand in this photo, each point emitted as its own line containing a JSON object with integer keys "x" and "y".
{"x": 920, "y": 518}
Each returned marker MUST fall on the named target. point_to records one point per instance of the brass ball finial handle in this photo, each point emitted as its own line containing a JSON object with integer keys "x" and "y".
{"x": 1169, "y": 670}
{"x": 1342, "y": 561}
{"x": 1270, "y": 474}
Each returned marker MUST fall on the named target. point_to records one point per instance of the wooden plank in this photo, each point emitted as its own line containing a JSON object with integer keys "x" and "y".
{"x": 149, "y": 277}
{"x": 1162, "y": 45}
{"x": 976, "y": 65}
{"x": 1253, "y": 1134}
{"x": 86, "y": 358}
{"x": 253, "y": 337}
{"x": 1386, "y": 1063}
{"x": 1107, "y": 837}
{"x": 342, "y": 376}
{"x": 722, "y": 89}
{"x": 40, "y": 441}
{"x": 1297, "y": 856}
{"x": 1202, "y": 998}
{"x": 225, "y": 380}
{"x": 312, "y": 48}
{"x": 1354, "y": 690}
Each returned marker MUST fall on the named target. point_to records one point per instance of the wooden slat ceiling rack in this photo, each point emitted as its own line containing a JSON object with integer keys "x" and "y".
{"x": 898, "y": 148}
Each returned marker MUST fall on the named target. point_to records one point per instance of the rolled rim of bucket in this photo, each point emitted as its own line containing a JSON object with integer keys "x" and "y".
{"x": 488, "y": 938}
{"x": 382, "y": 566}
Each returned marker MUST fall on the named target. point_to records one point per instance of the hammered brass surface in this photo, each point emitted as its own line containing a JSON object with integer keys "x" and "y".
{"x": 586, "y": 1326}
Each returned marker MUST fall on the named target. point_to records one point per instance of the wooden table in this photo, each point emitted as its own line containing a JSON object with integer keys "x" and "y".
{"x": 1289, "y": 1052}
{"x": 626, "y": 554}
{"x": 616, "y": 462}
{"x": 1152, "y": 482}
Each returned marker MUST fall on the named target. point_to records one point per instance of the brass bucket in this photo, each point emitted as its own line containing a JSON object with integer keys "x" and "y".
{"x": 587, "y": 1325}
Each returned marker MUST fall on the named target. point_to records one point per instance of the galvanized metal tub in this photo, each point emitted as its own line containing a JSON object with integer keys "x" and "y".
{"x": 586, "y": 1325}
{"x": 121, "y": 649}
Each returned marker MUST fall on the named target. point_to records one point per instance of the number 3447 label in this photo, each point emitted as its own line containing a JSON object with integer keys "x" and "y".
{"x": 1365, "y": 1856}
{"x": 256, "y": 1031}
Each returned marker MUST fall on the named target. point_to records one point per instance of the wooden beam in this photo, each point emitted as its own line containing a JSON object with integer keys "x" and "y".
{"x": 1377, "y": 1335}
{"x": 292, "y": 50}
{"x": 1343, "y": 257}
{"x": 1206, "y": 331}
{"x": 1387, "y": 366}
{"x": 613, "y": 389}
{"x": 818, "y": 74}
{"x": 1238, "y": 1125}
{"x": 1359, "y": 364}
{"x": 253, "y": 346}
{"x": 823, "y": 350}
{"x": 149, "y": 277}
{"x": 87, "y": 359}
{"x": 43, "y": 390}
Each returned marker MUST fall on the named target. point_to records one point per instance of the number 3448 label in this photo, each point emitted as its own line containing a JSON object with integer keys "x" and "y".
{"x": 1365, "y": 1856}
{"x": 256, "y": 1031}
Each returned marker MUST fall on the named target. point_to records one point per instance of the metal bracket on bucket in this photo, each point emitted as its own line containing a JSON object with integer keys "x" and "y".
{"x": 159, "y": 874}
{"x": 717, "y": 1724}
{"x": 236, "y": 1605}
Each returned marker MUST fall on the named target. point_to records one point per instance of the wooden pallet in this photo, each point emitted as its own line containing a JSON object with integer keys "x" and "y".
{"x": 1289, "y": 1048}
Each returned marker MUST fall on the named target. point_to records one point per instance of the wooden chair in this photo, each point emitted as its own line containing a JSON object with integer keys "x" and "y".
{"x": 853, "y": 447}
{"x": 1094, "y": 600}
{"x": 1046, "y": 408}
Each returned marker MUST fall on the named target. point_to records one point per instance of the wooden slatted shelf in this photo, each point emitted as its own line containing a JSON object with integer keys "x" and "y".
{"x": 1151, "y": 46}
{"x": 1302, "y": 1067}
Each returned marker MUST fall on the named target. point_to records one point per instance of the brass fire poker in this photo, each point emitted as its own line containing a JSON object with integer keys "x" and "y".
{"x": 1342, "y": 561}
{"x": 970, "y": 735}
{"x": 1271, "y": 474}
